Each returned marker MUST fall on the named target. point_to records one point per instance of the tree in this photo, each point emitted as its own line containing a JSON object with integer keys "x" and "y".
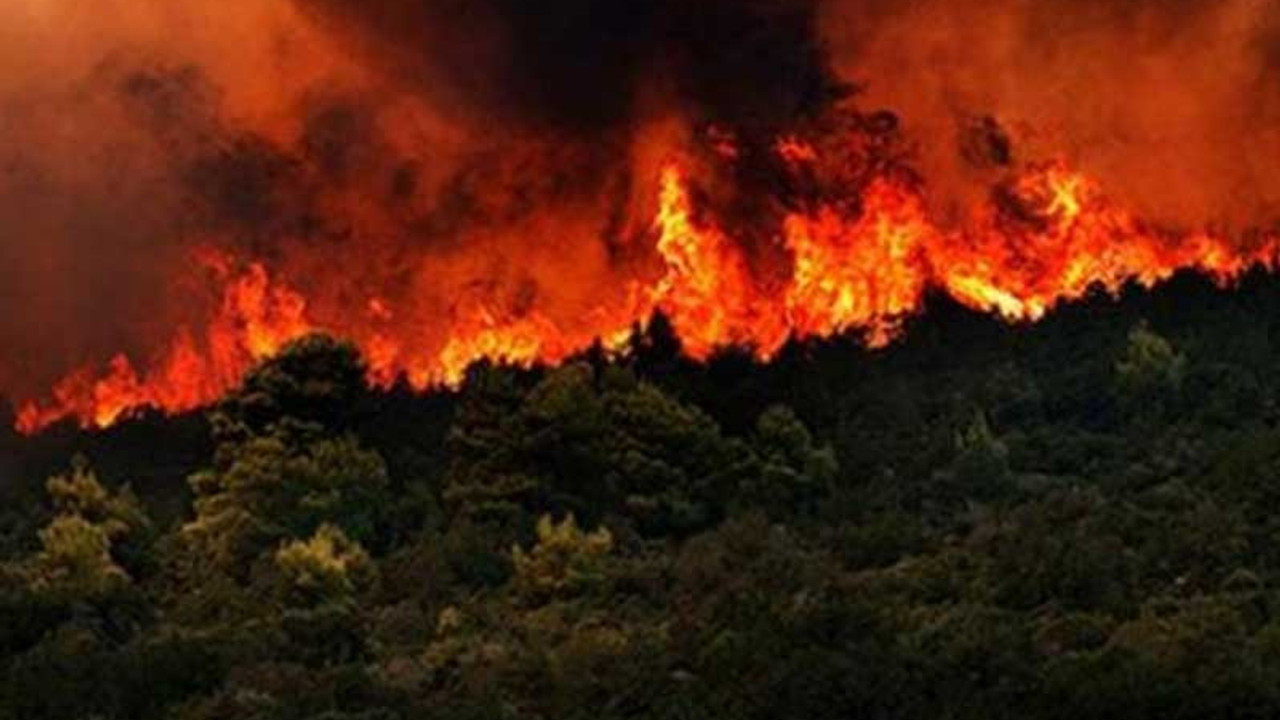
{"x": 267, "y": 490}
{"x": 119, "y": 515}
{"x": 565, "y": 560}
{"x": 795, "y": 474}
{"x": 1151, "y": 371}
{"x": 75, "y": 560}
{"x": 981, "y": 466}
{"x": 594, "y": 444}
{"x": 314, "y": 383}
{"x": 79, "y": 555}
{"x": 327, "y": 568}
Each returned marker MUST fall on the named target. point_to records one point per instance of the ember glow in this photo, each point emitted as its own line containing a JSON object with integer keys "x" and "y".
{"x": 191, "y": 212}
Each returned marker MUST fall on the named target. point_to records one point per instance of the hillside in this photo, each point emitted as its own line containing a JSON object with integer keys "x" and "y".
{"x": 1066, "y": 519}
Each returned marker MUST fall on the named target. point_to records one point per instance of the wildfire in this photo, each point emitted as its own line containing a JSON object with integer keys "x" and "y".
{"x": 256, "y": 318}
{"x": 707, "y": 291}
{"x": 868, "y": 273}
{"x": 1051, "y": 237}
{"x": 1075, "y": 239}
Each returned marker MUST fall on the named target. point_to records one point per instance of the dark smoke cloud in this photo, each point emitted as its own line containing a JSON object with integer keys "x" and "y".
{"x": 589, "y": 65}
{"x": 590, "y": 78}
{"x": 105, "y": 110}
{"x": 1173, "y": 105}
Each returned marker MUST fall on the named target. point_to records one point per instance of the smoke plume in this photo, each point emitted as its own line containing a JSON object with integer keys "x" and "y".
{"x": 1173, "y": 105}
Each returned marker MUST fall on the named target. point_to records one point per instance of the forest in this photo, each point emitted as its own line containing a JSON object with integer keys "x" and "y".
{"x": 1065, "y": 519}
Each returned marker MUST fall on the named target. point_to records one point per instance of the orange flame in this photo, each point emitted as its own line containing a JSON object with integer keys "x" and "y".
{"x": 708, "y": 291}
{"x": 1055, "y": 237}
{"x": 866, "y": 274}
{"x": 256, "y": 319}
{"x": 1081, "y": 241}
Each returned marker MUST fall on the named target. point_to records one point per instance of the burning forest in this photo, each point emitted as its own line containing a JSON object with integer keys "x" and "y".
{"x": 192, "y": 188}
{"x": 639, "y": 359}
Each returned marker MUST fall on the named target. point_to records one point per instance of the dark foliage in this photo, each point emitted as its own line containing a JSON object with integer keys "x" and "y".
{"x": 1070, "y": 519}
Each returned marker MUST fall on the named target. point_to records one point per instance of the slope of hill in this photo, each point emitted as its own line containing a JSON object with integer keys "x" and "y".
{"x": 1060, "y": 520}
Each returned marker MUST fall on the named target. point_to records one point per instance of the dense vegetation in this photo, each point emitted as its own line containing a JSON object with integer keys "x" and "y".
{"x": 1066, "y": 520}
